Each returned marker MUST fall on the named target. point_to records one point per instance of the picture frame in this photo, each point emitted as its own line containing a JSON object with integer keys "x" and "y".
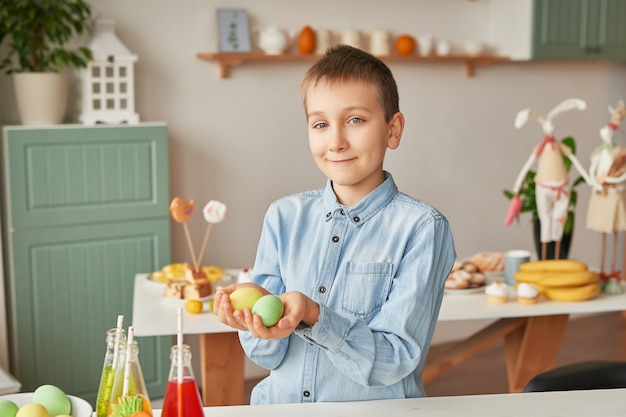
{"x": 234, "y": 31}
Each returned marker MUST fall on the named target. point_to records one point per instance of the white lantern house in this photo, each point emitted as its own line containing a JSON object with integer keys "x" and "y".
{"x": 108, "y": 85}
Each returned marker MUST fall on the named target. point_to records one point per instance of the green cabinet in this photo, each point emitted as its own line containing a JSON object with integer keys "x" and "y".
{"x": 579, "y": 29}
{"x": 84, "y": 210}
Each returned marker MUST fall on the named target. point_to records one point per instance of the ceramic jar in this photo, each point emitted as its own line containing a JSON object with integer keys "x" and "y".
{"x": 352, "y": 37}
{"x": 323, "y": 40}
{"x": 379, "y": 42}
{"x": 443, "y": 48}
{"x": 426, "y": 44}
{"x": 272, "y": 40}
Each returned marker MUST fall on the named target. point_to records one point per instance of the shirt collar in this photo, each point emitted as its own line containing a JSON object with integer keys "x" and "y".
{"x": 367, "y": 207}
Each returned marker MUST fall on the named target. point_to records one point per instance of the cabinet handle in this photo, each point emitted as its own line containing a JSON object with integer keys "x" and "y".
{"x": 597, "y": 49}
{"x": 589, "y": 49}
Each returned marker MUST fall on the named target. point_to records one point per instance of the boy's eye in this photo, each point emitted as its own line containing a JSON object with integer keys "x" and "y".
{"x": 320, "y": 125}
{"x": 355, "y": 120}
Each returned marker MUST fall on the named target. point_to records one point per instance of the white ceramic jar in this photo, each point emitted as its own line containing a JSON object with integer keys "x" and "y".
{"x": 379, "y": 42}
{"x": 323, "y": 40}
{"x": 272, "y": 40}
{"x": 352, "y": 37}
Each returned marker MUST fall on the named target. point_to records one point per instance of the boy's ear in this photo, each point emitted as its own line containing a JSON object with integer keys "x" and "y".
{"x": 396, "y": 126}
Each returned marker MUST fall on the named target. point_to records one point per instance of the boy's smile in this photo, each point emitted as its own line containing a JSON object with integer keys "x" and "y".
{"x": 348, "y": 136}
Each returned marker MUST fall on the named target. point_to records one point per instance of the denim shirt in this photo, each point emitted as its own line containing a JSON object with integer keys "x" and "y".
{"x": 377, "y": 271}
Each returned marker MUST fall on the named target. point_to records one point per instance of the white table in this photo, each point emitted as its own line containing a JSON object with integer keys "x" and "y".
{"x": 532, "y": 335}
{"x": 605, "y": 403}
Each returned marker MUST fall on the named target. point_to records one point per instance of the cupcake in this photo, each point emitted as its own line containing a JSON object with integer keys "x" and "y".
{"x": 497, "y": 293}
{"x": 527, "y": 293}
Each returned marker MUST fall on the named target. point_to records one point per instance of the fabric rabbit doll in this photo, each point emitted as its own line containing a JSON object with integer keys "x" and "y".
{"x": 552, "y": 185}
{"x": 607, "y": 205}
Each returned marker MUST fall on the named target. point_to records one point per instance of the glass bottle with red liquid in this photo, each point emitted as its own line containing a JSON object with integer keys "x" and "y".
{"x": 182, "y": 398}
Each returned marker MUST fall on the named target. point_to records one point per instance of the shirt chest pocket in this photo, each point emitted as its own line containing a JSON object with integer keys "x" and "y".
{"x": 366, "y": 287}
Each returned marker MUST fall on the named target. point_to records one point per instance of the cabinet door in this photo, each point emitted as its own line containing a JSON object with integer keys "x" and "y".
{"x": 579, "y": 29}
{"x": 611, "y": 30}
{"x": 77, "y": 174}
{"x": 69, "y": 286}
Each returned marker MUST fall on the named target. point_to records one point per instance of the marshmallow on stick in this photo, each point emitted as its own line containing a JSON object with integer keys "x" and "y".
{"x": 181, "y": 211}
{"x": 214, "y": 212}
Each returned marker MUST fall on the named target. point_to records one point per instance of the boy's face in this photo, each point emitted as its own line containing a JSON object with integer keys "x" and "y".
{"x": 348, "y": 136}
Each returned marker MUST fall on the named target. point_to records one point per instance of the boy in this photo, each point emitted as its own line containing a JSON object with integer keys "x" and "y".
{"x": 359, "y": 266}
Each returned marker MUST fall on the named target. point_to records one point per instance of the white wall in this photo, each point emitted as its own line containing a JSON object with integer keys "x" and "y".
{"x": 243, "y": 140}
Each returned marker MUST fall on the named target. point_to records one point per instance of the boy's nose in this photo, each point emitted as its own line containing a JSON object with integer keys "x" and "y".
{"x": 338, "y": 140}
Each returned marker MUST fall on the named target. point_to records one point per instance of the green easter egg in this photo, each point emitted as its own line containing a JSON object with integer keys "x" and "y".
{"x": 270, "y": 308}
{"x": 8, "y": 408}
{"x": 53, "y": 398}
{"x": 244, "y": 297}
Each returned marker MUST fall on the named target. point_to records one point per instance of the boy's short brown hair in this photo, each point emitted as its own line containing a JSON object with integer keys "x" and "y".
{"x": 344, "y": 63}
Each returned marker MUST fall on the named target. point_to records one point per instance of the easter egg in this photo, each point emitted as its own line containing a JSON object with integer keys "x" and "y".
{"x": 8, "y": 408}
{"x": 32, "y": 410}
{"x": 306, "y": 40}
{"x": 270, "y": 308}
{"x": 53, "y": 398}
{"x": 244, "y": 297}
{"x": 193, "y": 306}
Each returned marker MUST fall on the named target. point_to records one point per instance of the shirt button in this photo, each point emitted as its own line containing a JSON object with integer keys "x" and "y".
{"x": 306, "y": 394}
{"x": 342, "y": 212}
{"x": 329, "y": 214}
{"x": 335, "y": 239}
{"x": 321, "y": 289}
{"x": 356, "y": 219}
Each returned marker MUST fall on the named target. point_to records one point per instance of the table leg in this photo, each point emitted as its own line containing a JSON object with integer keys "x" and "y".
{"x": 533, "y": 348}
{"x": 442, "y": 358}
{"x": 222, "y": 367}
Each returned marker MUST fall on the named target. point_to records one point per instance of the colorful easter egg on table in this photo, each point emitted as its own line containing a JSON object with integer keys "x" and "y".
{"x": 270, "y": 308}
{"x": 244, "y": 297}
{"x": 8, "y": 408}
{"x": 32, "y": 410}
{"x": 214, "y": 211}
{"x": 53, "y": 398}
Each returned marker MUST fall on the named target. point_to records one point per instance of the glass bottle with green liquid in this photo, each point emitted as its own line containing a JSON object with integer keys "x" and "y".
{"x": 129, "y": 396}
{"x": 115, "y": 340}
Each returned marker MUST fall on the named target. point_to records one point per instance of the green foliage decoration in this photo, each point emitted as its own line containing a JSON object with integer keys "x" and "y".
{"x": 38, "y": 31}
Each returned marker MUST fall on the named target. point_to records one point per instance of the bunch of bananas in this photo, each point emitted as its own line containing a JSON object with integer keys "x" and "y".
{"x": 561, "y": 279}
{"x": 176, "y": 272}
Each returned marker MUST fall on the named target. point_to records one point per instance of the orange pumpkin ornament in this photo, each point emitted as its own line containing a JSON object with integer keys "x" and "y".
{"x": 306, "y": 40}
{"x": 405, "y": 44}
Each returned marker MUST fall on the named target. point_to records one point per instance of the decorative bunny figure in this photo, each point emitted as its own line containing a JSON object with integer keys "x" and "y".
{"x": 552, "y": 179}
{"x": 607, "y": 205}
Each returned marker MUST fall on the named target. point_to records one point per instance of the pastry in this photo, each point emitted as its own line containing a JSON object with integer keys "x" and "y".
{"x": 465, "y": 274}
{"x": 489, "y": 261}
{"x": 527, "y": 293}
{"x": 497, "y": 293}
{"x": 195, "y": 285}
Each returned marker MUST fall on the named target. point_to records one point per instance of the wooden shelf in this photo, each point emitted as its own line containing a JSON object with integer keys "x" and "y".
{"x": 226, "y": 60}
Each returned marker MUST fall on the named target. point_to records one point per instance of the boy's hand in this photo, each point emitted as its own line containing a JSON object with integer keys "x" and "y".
{"x": 298, "y": 308}
{"x": 224, "y": 310}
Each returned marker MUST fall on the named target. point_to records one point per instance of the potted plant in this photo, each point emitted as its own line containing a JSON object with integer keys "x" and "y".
{"x": 37, "y": 33}
{"x": 529, "y": 205}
